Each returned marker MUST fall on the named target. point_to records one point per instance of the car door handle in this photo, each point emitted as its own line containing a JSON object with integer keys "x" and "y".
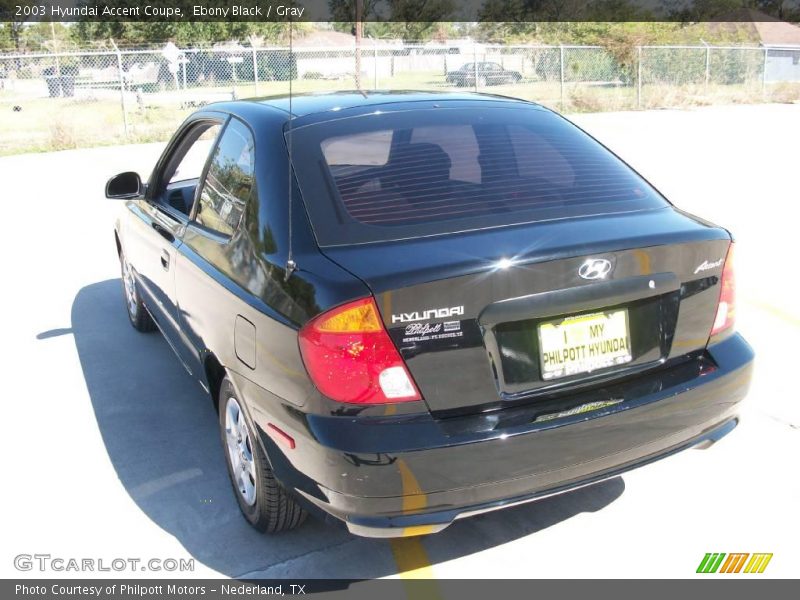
{"x": 163, "y": 232}
{"x": 165, "y": 260}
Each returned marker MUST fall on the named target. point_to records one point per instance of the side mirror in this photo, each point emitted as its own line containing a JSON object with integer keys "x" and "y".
{"x": 123, "y": 186}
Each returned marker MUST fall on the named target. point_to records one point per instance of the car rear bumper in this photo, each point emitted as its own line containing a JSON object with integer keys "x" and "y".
{"x": 404, "y": 476}
{"x": 423, "y": 523}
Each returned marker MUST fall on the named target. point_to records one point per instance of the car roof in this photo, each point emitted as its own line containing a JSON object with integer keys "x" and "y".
{"x": 312, "y": 103}
{"x": 308, "y": 108}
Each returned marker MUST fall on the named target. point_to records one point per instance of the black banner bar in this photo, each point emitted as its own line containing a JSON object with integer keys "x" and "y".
{"x": 500, "y": 11}
{"x": 455, "y": 589}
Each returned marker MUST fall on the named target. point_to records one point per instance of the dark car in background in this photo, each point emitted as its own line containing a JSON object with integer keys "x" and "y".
{"x": 486, "y": 73}
{"x": 409, "y": 308}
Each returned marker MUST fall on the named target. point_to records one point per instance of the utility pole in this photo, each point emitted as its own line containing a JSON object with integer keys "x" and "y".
{"x": 639, "y": 77}
{"x": 55, "y": 48}
{"x": 561, "y": 63}
{"x": 359, "y": 34}
{"x": 121, "y": 86}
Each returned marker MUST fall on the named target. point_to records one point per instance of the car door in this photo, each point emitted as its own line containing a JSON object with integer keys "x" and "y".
{"x": 160, "y": 220}
{"x": 214, "y": 256}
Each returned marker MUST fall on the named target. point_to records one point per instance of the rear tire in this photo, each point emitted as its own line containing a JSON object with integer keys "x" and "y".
{"x": 264, "y": 502}
{"x": 137, "y": 312}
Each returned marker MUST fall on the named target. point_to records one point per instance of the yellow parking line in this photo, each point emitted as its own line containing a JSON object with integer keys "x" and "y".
{"x": 413, "y": 497}
{"x": 644, "y": 261}
{"x": 409, "y": 553}
{"x": 411, "y": 558}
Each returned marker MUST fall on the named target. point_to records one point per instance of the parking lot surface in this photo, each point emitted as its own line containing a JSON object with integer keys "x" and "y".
{"x": 110, "y": 450}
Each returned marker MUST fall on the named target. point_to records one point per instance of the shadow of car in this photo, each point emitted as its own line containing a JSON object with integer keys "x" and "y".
{"x": 160, "y": 431}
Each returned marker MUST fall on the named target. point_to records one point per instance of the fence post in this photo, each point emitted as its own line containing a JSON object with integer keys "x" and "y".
{"x": 708, "y": 65}
{"x": 184, "y": 60}
{"x": 561, "y": 60}
{"x": 475, "y": 63}
{"x": 639, "y": 78}
{"x": 121, "y": 87}
{"x": 55, "y": 50}
{"x": 375, "y": 61}
{"x": 255, "y": 70}
{"x": 764, "y": 74}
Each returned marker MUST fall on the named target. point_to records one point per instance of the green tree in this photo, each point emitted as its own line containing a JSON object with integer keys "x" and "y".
{"x": 700, "y": 10}
{"x": 419, "y": 20}
{"x": 6, "y": 42}
{"x": 343, "y": 12}
{"x": 528, "y": 12}
{"x": 181, "y": 32}
{"x": 13, "y": 26}
{"x": 39, "y": 36}
{"x": 409, "y": 20}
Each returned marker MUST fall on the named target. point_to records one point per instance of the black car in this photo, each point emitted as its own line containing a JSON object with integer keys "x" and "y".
{"x": 486, "y": 73}
{"x": 410, "y": 308}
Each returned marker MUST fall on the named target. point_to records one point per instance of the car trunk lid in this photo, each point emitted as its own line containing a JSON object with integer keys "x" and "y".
{"x": 466, "y": 310}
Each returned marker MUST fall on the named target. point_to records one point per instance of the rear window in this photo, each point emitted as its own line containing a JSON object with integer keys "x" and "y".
{"x": 434, "y": 171}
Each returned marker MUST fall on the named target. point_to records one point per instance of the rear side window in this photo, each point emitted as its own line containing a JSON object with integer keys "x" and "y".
{"x": 229, "y": 182}
{"x": 433, "y": 171}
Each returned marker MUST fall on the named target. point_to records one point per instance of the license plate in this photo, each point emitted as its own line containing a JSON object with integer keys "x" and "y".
{"x": 584, "y": 343}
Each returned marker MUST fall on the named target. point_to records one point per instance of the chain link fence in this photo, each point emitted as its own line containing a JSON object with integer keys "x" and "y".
{"x": 671, "y": 76}
{"x": 68, "y": 100}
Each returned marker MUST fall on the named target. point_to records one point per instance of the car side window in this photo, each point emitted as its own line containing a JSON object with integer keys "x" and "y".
{"x": 229, "y": 182}
{"x": 177, "y": 182}
{"x": 193, "y": 161}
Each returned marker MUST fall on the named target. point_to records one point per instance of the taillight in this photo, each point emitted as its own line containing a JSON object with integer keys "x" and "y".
{"x": 351, "y": 358}
{"x": 726, "y": 308}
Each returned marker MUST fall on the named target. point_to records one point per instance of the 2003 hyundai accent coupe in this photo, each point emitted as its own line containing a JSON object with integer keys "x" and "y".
{"x": 410, "y": 308}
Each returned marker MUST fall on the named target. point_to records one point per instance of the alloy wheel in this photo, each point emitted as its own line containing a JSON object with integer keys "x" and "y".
{"x": 240, "y": 451}
{"x": 130, "y": 287}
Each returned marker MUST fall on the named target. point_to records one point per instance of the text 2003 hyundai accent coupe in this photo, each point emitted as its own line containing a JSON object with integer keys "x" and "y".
{"x": 456, "y": 303}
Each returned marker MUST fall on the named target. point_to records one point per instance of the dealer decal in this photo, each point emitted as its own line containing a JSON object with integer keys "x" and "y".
{"x": 423, "y": 332}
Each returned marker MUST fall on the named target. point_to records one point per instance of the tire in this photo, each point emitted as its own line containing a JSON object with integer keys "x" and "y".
{"x": 134, "y": 306}
{"x": 264, "y": 502}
